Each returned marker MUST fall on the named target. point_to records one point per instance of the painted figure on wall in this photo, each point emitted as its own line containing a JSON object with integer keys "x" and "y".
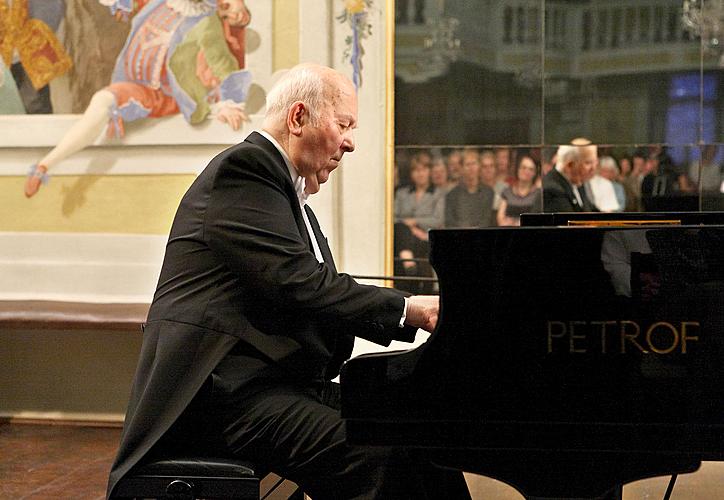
{"x": 180, "y": 56}
{"x": 31, "y": 50}
{"x": 10, "y": 102}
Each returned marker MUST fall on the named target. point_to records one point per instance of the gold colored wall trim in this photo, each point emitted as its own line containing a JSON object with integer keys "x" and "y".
{"x": 285, "y": 34}
{"x": 389, "y": 137}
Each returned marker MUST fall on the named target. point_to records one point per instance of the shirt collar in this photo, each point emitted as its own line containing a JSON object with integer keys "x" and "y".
{"x": 297, "y": 180}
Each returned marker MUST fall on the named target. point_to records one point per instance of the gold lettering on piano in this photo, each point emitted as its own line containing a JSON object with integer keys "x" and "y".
{"x": 620, "y": 337}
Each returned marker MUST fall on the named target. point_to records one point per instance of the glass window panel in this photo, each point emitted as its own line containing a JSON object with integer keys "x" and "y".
{"x": 487, "y": 92}
{"x": 626, "y": 75}
{"x": 614, "y": 93}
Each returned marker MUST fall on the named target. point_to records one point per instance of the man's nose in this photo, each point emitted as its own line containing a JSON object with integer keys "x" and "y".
{"x": 348, "y": 143}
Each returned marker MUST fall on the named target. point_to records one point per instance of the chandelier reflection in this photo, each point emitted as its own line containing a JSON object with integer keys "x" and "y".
{"x": 425, "y": 41}
{"x": 705, "y": 19}
{"x": 441, "y": 46}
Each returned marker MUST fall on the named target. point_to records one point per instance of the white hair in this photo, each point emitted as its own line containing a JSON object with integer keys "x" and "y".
{"x": 567, "y": 153}
{"x": 607, "y": 163}
{"x": 301, "y": 83}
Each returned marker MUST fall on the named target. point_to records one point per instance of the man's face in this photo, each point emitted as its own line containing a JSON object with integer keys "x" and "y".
{"x": 608, "y": 173}
{"x": 487, "y": 169}
{"x": 420, "y": 175}
{"x": 455, "y": 165}
{"x": 438, "y": 174}
{"x": 502, "y": 160}
{"x": 323, "y": 144}
{"x": 235, "y": 12}
{"x": 583, "y": 169}
{"x": 471, "y": 167}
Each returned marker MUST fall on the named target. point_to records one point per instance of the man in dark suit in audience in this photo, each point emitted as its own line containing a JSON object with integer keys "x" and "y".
{"x": 564, "y": 186}
{"x": 251, "y": 320}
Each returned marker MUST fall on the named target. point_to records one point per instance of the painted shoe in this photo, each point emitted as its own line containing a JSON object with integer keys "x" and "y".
{"x": 37, "y": 175}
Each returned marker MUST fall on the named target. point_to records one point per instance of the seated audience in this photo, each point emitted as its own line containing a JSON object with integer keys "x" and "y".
{"x": 523, "y": 196}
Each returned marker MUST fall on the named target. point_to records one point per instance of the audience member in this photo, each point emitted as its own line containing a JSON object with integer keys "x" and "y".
{"x": 470, "y": 203}
{"x": 489, "y": 176}
{"x": 439, "y": 176}
{"x": 523, "y": 196}
{"x": 708, "y": 176}
{"x": 563, "y": 186}
{"x": 624, "y": 164}
{"x": 632, "y": 181}
{"x": 667, "y": 166}
{"x": 659, "y": 182}
{"x": 608, "y": 194}
{"x": 503, "y": 160}
{"x": 610, "y": 170}
{"x": 418, "y": 208}
{"x": 707, "y": 173}
{"x": 454, "y": 165}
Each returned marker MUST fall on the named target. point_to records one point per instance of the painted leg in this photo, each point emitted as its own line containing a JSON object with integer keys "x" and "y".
{"x": 80, "y": 135}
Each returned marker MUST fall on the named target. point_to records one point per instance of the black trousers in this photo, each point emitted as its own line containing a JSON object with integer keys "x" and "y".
{"x": 296, "y": 431}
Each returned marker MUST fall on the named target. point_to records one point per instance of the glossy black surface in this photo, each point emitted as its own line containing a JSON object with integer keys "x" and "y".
{"x": 544, "y": 345}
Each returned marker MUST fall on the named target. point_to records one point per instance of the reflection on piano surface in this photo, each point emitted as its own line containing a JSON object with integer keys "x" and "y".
{"x": 567, "y": 360}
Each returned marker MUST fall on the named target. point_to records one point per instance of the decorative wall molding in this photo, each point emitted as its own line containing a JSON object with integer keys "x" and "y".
{"x": 96, "y": 268}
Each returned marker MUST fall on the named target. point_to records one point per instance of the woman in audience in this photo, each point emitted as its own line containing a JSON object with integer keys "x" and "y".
{"x": 440, "y": 177}
{"x": 523, "y": 196}
{"x": 418, "y": 207}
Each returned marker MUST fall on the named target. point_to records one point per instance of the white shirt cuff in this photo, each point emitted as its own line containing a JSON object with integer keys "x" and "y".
{"x": 404, "y": 313}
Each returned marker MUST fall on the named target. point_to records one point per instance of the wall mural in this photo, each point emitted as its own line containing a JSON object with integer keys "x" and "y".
{"x": 126, "y": 60}
{"x": 355, "y": 15}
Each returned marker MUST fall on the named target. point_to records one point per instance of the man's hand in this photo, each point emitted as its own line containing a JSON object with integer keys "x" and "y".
{"x": 422, "y": 311}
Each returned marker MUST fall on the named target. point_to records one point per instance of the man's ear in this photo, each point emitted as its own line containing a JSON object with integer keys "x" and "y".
{"x": 297, "y": 117}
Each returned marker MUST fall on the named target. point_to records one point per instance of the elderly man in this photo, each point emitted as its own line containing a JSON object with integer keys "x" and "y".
{"x": 251, "y": 321}
{"x": 563, "y": 187}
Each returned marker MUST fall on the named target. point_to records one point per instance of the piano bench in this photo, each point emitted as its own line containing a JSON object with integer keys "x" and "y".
{"x": 184, "y": 478}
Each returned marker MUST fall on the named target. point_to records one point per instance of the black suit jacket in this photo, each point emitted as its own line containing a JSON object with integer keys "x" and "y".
{"x": 558, "y": 195}
{"x": 239, "y": 268}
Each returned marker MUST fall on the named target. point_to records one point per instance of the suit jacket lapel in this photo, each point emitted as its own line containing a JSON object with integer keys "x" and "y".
{"x": 569, "y": 190}
{"x": 261, "y": 141}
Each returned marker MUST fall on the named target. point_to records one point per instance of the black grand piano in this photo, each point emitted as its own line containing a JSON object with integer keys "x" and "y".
{"x": 568, "y": 359}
